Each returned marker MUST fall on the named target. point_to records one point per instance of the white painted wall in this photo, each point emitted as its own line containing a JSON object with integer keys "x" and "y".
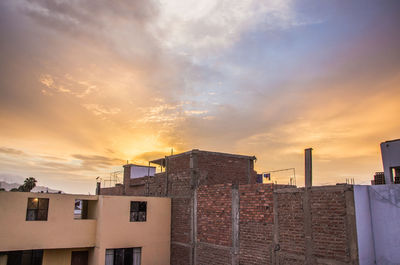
{"x": 390, "y": 157}
{"x": 383, "y": 231}
{"x": 366, "y": 250}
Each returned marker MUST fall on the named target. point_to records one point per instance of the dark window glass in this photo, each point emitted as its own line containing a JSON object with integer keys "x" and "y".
{"x": 119, "y": 256}
{"x": 138, "y": 211}
{"x": 37, "y": 209}
{"x": 128, "y": 256}
{"x": 123, "y": 256}
{"x": 26, "y": 257}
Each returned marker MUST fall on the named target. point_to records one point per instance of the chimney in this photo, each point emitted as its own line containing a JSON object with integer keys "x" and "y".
{"x": 308, "y": 167}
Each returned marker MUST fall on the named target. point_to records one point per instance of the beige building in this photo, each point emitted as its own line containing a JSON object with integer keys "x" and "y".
{"x": 63, "y": 229}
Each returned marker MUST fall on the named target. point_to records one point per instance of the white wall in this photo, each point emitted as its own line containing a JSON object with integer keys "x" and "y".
{"x": 366, "y": 250}
{"x": 390, "y": 157}
{"x": 379, "y": 228}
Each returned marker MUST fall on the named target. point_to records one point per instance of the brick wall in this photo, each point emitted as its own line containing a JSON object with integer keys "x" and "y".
{"x": 214, "y": 216}
{"x": 117, "y": 190}
{"x": 256, "y": 223}
{"x": 291, "y": 222}
{"x": 329, "y": 225}
{"x": 214, "y": 224}
{"x": 180, "y": 255}
{"x": 181, "y": 220}
{"x": 328, "y": 220}
{"x": 156, "y": 185}
{"x": 207, "y": 255}
{"x": 215, "y": 168}
{"x": 213, "y": 177}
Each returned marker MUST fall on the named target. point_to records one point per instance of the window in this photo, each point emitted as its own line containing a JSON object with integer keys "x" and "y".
{"x": 81, "y": 209}
{"x": 37, "y": 209}
{"x": 138, "y": 211}
{"x": 85, "y": 209}
{"x": 123, "y": 256}
{"x": 26, "y": 257}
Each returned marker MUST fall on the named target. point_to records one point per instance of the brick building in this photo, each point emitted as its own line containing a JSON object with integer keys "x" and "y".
{"x": 220, "y": 215}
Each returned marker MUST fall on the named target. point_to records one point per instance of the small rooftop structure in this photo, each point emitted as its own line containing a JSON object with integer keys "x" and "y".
{"x": 139, "y": 171}
{"x": 391, "y": 160}
{"x": 162, "y": 161}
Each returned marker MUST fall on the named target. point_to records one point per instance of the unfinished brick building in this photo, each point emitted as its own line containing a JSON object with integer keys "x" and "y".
{"x": 220, "y": 215}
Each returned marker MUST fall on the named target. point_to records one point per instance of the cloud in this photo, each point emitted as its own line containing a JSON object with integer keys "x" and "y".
{"x": 148, "y": 156}
{"x": 110, "y": 81}
{"x": 89, "y": 162}
{"x": 101, "y": 110}
{"x": 198, "y": 27}
{"x": 11, "y": 151}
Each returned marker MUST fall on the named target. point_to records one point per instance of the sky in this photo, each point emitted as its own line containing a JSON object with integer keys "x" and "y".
{"x": 87, "y": 85}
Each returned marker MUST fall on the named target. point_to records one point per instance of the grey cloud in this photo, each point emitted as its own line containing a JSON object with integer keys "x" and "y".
{"x": 147, "y": 156}
{"x": 11, "y": 151}
{"x": 96, "y": 161}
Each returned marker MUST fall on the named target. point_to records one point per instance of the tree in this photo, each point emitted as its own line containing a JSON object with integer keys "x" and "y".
{"x": 14, "y": 190}
{"x": 28, "y": 185}
{"x": 2, "y": 189}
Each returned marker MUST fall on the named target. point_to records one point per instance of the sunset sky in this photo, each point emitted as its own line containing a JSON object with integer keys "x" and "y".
{"x": 87, "y": 85}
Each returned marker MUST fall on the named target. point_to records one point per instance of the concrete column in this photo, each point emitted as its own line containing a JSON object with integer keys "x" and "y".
{"x": 194, "y": 228}
{"x": 194, "y": 182}
{"x": 309, "y": 247}
{"x": 308, "y": 167}
{"x": 275, "y": 245}
{"x": 351, "y": 226}
{"x": 166, "y": 176}
{"x": 235, "y": 225}
{"x": 127, "y": 177}
{"x": 98, "y": 186}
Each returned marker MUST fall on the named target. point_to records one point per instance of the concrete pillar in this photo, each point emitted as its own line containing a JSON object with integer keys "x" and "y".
{"x": 308, "y": 167}
{"x": 275, "y": 245}
{"x": 166, "y": 176}
{"x": 98, "y": 184}
{"x": 235, "y": 225}
{"x": 127, "y": 177}
{"x": 309, "y": 243}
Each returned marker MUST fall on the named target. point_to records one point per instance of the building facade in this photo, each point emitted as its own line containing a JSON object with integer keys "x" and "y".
{"x": 220, "y": 215}
{"x": 63, "y": 229}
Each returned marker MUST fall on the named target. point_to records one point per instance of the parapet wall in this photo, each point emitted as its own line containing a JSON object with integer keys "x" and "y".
{"x": 315, "y": 225}
{"x": 275, "y": 225}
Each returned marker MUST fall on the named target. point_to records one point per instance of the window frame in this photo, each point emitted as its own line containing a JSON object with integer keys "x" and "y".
{"x": 41, "y": 209}
{"x": 138, "y": 211}
{"x": 123, "y": 256}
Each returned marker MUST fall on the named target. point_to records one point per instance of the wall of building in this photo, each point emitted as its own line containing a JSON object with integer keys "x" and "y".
{"x": 184, "y": 172}
{"x": 61, "y": 233}
{"x": 390, "y": 151}
{"x": 220, "y": 217}
{"x": 234, "y": 224}
{"x": 114, "y": 229}
{"x": 216, "y": 168}
{"x": 315, "y": 225}
{"x": 214, "y": 224}
{"x": 18, "y": 234}
{"x": 117, "y": 190}
{"x": 365, "y": 237}
{"x": 379, "y": 228}
{"x": 60, "y": 256}
{"x": 256, "y": 223}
